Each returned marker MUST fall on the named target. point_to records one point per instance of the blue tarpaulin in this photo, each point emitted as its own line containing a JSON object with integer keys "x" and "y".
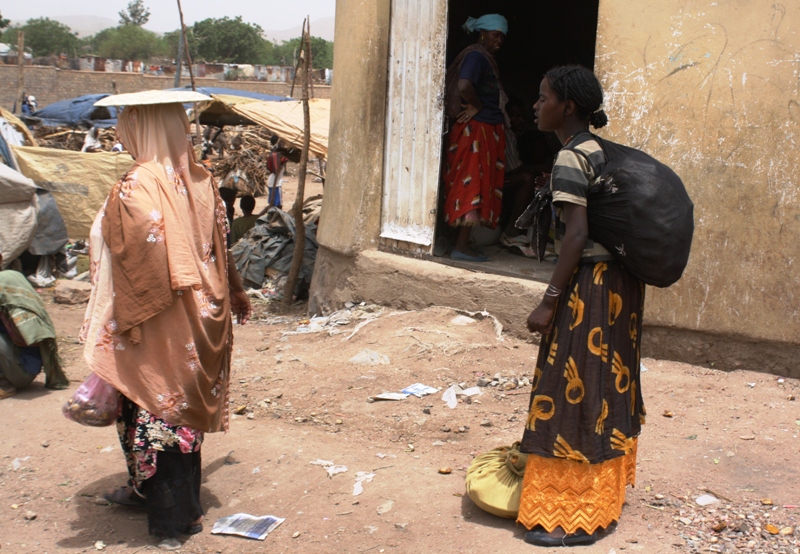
{"x": 208, "y": 91}
{"x": 81, "y": 111}
{"x": 77, "y": 112}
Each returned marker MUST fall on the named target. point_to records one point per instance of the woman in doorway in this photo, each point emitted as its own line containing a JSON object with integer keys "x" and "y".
{"x": 586, "y": 407}
{"x": 158, "y": 324}
{"x": 476, "y": 155}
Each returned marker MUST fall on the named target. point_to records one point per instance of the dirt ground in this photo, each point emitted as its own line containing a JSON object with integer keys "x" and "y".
{"x": 301, "y": 398}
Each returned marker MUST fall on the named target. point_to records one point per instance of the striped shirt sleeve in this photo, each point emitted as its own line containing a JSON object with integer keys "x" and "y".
{"x": 572, "y": 175}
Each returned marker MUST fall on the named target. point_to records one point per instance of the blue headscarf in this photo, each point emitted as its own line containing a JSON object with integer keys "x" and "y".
{"x": 489, "y": 22}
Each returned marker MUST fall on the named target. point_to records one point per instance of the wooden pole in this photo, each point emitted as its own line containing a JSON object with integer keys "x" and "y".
{"x": 310, "y": 57}
{"x": 299, "y": 61}
{"x": 297, "y": 209}
{"x": 178, "y": 65}
{"x": 191, "y": 71}
{"x": 21, "y": 65}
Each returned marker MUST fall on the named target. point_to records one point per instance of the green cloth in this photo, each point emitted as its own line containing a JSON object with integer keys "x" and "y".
{"x": 241, "y": 225}
{"x": 20, "y": 302}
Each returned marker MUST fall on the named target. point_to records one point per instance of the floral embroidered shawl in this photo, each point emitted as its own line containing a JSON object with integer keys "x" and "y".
{"x": 158, "y": 324}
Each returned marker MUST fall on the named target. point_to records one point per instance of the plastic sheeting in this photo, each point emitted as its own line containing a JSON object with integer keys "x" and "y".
{"x": 18, "y": 126}
{"x": 18, "y": 212}
{"x": 79, "y": 182}
{"x": 209, "y": 91}
{"x": 6, "y": 157}
{"x": 285, "y": 119}
{"x": 51, "y": 232}
{"x": 77, "y": 112}
{"x": 270, "y": 244}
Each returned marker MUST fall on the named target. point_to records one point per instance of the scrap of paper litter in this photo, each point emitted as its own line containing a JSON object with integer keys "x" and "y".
{"x": 330, "y": 467}
{"x": 390, "y": 396}
{"x": 419, "y": 390}
{"x": 246, "y": 525}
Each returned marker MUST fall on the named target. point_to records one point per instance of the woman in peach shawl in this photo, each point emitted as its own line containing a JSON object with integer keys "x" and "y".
{"x": 158, "y": 325}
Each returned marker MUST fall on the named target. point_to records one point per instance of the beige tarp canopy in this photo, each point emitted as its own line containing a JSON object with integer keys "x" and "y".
{"x": 285, "y": 119}
{"x": 79, "y": 181}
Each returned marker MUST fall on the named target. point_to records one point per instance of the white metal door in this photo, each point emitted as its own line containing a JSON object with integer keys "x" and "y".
{"x": 414, "y": 121}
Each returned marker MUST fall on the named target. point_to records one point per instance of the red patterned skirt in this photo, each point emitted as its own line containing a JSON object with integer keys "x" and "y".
{"x": 474, "y": 174}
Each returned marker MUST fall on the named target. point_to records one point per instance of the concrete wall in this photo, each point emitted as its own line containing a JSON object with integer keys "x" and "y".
{"x": 350, "y": 218}
{"x": 711, "y": 89}
{"x": 49, "y": 84}
{"x": 708, "y": 87}
{"x": 352, "y": 209}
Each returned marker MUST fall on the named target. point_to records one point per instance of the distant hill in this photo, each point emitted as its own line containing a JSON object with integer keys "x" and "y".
{"x": 322, "y": 28}
{"x": 84, "y": 25}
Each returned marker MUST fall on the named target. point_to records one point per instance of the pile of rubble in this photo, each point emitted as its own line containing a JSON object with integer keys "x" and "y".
{"x": 510, "y": 382}
{"x": 710, "y": 524}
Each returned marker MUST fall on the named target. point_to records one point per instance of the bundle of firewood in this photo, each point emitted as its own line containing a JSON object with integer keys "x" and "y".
{"x": 63, "y": 138}
{"x": 244, "y": 168}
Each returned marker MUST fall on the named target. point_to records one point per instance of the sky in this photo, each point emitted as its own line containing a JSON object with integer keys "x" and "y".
{"x": 269, "y": 14}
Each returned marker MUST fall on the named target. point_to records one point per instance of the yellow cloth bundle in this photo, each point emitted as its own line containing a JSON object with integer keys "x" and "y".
{"x": 494, "y": 480}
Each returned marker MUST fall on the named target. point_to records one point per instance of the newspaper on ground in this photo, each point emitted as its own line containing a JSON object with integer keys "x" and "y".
{"x": 246, "y": 525}
{"x": 419, "y": 390}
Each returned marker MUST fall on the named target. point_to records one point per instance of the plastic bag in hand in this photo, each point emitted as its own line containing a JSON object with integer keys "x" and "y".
{"x": 95, "y": 403}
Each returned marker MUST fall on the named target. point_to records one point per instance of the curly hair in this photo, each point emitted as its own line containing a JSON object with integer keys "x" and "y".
{"x": 576, "y": 83}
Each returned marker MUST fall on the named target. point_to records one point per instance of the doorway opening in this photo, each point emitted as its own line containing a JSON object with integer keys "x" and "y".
{"x": 541, "y": 35}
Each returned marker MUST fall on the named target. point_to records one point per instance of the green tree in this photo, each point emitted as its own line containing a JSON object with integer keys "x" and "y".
{"x": 44, "y": 37}
{"x": 129, "y": 42}
{"x": 3, "y": 22}
{"x": 229, "y": 40}
{"x": 135, "y": 14}
{"x": 173, "y": 38}
{"x": 321, "y": 53}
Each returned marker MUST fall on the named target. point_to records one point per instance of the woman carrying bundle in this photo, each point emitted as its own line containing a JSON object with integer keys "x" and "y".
{"x": 586, "y": 408}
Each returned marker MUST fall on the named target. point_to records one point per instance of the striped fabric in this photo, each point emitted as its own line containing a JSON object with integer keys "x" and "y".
{"x": 512, "y": 152}
{"x": 576, "y": 168}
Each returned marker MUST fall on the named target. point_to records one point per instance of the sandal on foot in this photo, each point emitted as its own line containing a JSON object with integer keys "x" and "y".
{"x": 124, "y": 496}
{"x": 6, "y": 388}
{"x": 542, "y": 538}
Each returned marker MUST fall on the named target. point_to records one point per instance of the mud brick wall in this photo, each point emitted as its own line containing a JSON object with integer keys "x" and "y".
{"x": 49, "y": 84}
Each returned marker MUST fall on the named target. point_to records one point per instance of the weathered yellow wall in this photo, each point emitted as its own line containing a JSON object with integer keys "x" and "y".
{"x": 350, "y": 218}
{"x": 712, "y": 89}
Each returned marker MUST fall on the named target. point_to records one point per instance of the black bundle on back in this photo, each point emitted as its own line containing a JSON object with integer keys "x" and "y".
{"x": 640, "y": 211}
{"x": 637, "y": 208}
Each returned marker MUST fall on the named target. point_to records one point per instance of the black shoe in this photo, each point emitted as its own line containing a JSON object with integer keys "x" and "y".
{"x": 541, "y": 538}
{"x": 194, "y": 528}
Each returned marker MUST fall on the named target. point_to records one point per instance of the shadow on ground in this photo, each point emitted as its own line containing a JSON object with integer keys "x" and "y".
{"x": 118, "y": 524}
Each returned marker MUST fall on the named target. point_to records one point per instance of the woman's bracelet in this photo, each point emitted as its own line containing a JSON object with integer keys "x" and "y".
{"x": 553, "y": 291}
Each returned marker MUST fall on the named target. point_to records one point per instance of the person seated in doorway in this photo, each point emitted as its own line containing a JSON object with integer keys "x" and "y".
{"x": 519, "y": 185}
{"x": 243, "y": 224}
{"x": 27, "y": 337}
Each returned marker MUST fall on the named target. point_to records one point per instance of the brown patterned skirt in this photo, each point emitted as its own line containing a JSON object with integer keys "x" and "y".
{"x": 586, "y": 406}
{"x": 586, "y": 402}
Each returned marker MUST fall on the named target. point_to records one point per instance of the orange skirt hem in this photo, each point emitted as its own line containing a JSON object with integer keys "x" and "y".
{"x": 572, "y": 495}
